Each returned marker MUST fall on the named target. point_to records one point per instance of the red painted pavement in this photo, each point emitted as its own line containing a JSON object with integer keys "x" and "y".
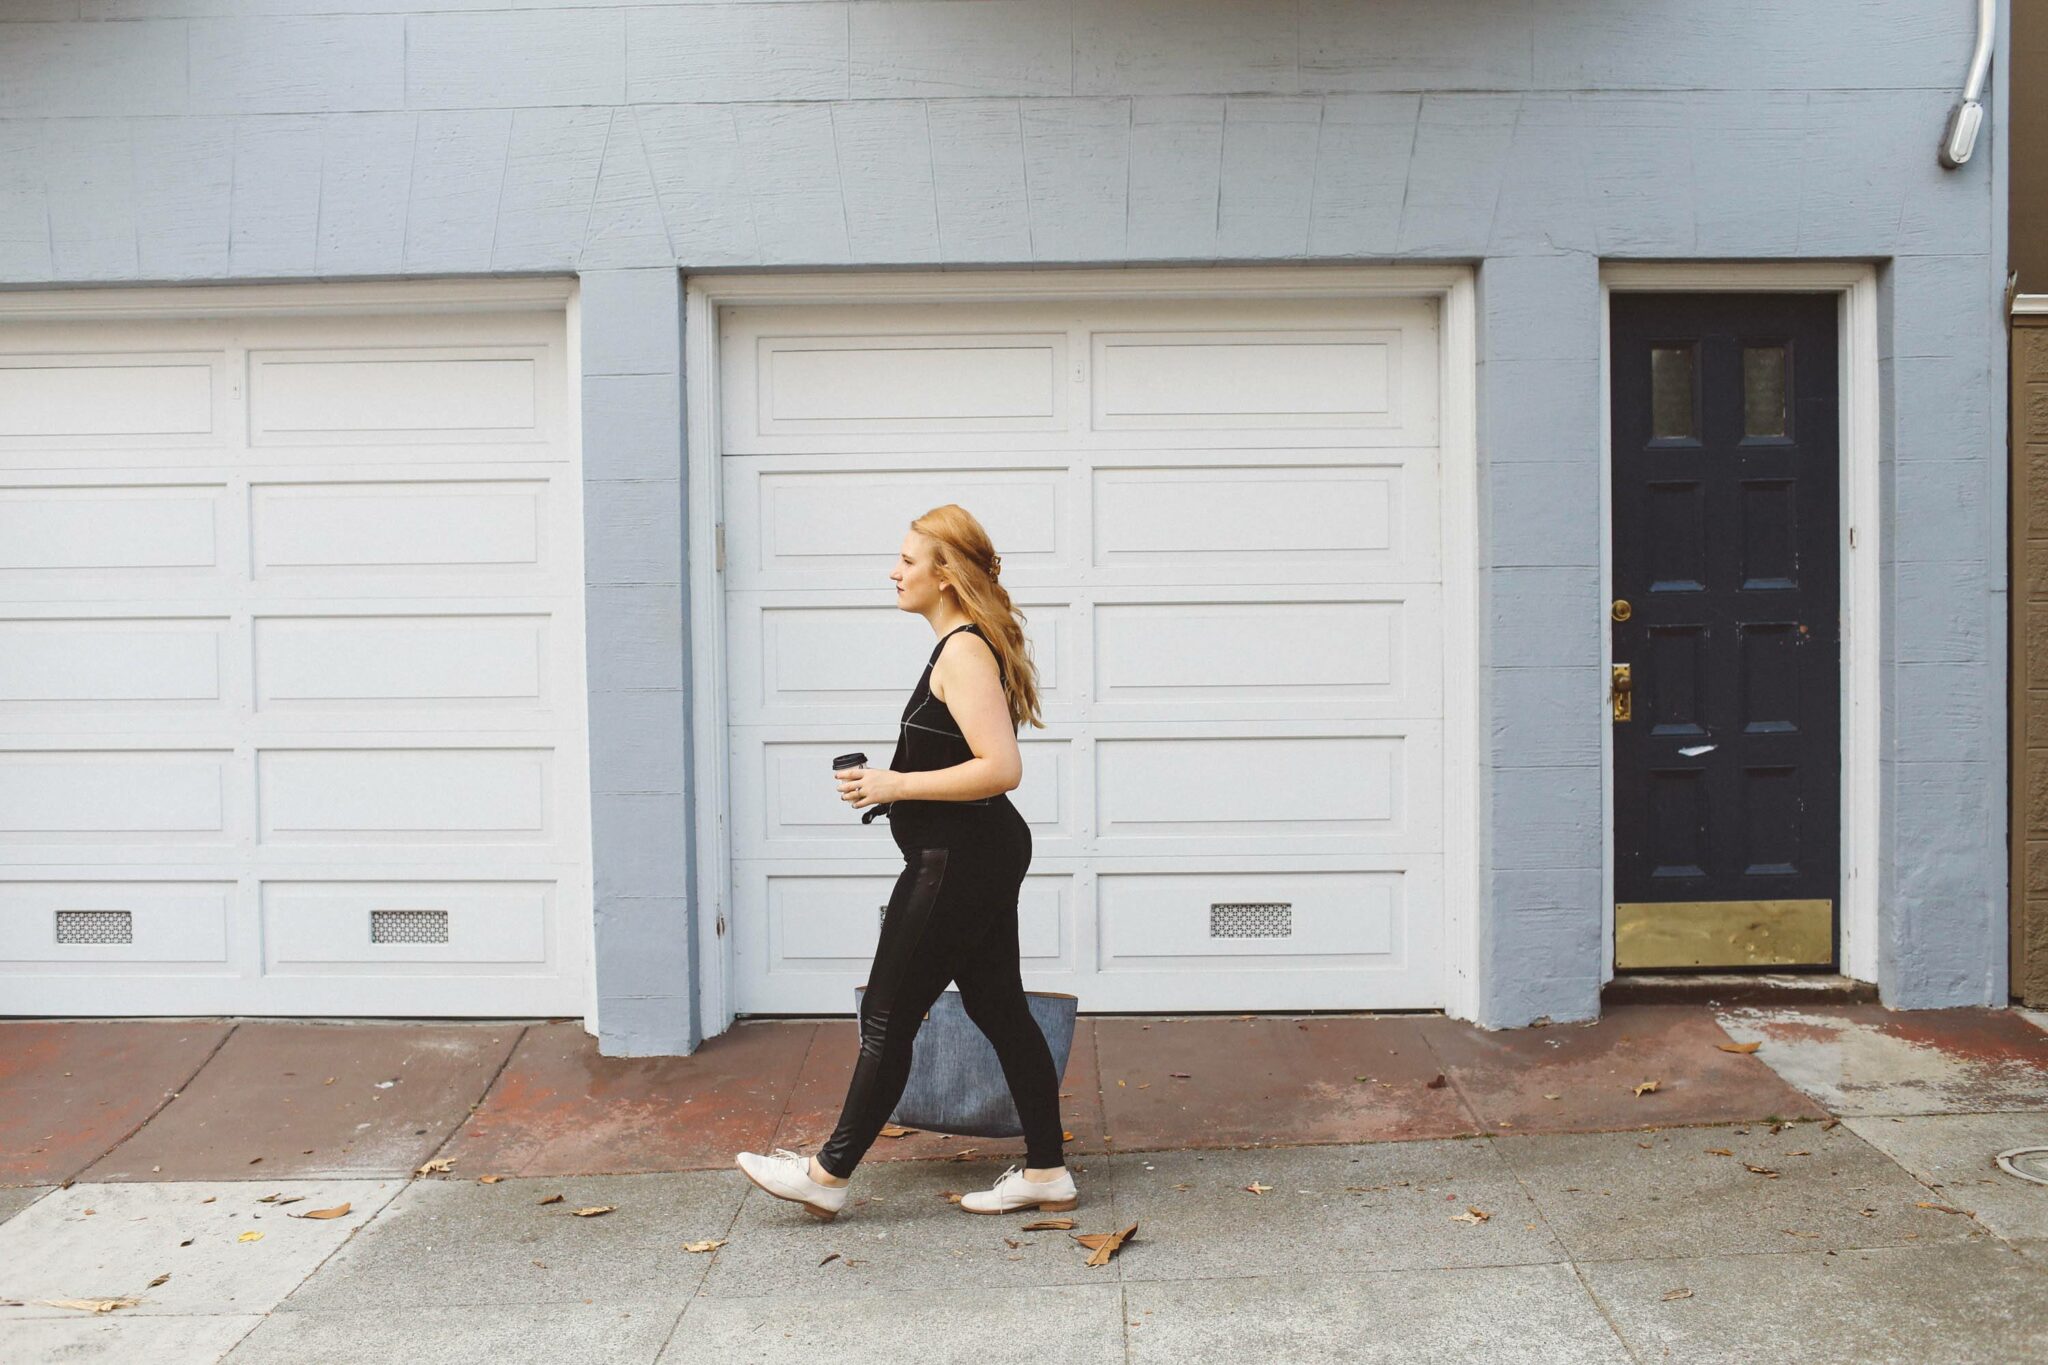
{"x": 69, "y": 1091}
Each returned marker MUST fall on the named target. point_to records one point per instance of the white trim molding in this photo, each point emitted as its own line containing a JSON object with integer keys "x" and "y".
{"x": 103, "y": 301}
{"x": 1451, "y": 286}
{"x": 1858, "y": 533}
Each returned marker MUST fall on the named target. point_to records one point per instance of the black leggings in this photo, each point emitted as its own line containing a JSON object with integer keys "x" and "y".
{"x": 952, "y": 917}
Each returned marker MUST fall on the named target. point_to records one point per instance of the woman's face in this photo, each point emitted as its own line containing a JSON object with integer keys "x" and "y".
{"x": 917, "y": 581}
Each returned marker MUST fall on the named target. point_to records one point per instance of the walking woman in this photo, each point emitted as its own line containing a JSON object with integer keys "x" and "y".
{"x": 953, "y": 913}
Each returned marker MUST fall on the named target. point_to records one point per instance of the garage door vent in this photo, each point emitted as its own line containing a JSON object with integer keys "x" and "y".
{"x": 1251, "y": 919}
{"x": 95, "y": 926}
{"x": 408, "y": 926}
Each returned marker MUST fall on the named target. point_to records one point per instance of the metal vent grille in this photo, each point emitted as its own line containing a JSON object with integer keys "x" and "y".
{"x": 1251, "y": 919}
{"x": 95, "y": 926}
{"x": 408, "y": 926}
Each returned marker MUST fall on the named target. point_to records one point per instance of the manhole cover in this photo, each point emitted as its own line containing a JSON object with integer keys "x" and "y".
{"x": 2028, "y": 1163}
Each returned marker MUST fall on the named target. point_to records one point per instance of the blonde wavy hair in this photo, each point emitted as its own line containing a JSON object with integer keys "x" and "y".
{"x": 964, "y": 556}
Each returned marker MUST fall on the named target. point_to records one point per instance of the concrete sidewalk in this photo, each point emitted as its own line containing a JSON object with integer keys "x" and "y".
{"x": 1312, "y": 1188}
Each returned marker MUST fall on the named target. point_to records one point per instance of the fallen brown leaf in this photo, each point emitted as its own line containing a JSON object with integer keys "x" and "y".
{"x": 1764, "y": 1171}
{"x": 895, "y": 1130}
{"x": 1437, "y": 1084}
{"x": 92, "y": 1305}
{"x": 338, "y": 1211}
{"x": 964, "y": 1154}
{"x": 594, "y": 1210}
{"x": 709, "y": 1244}
{"x": 1472, "y": 1215}
{"x": 1943, "y": 1208}
{"x": 436, "y": 1166}
{"x": 950, "y": 1196}
{"x": 1066, "y": 1135}
{"x": 829, "y": 1259}
{"x": 1256, "y": 1188}
{"x": 1178, "y": 1075}
{"x": 489, "y": 1179}
{"x": 1744, "y": 1048}
{"x": 161, "y": 1279}
{"x": 252, "y": 1235}
{"x": 1672, "y": 1294}
{"x": 1719, "y": 1151}
{"x": 1829, "y": 1124}
{"x": 1104, "y": 1244}
{"x": 1048, "y": 1225}
{"x": 1553, "y": 1097}
{"x": 1648, "y": 1087}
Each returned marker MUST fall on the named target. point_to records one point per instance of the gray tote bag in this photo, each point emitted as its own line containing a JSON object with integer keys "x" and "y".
{"x": 956, "y": 1080}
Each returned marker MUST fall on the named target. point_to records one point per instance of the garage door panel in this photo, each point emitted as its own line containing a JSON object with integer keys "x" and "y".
{"x": 817, "y": 386}
{"x": 796, "y": 660}
{"x": 454, "y": 396}
{"x": 89, "y": 666}
{"x": 344, "y": 536}
{"x": 829, "y": 921}
{"x": 789, "y": 805}
{"x": 115, "y": 925}
{"x": 1262, "y": 380}
{"x": 399, "y": 927}
{"x": 97, "y": 540}
{"x": 1254, "y": 657}
{"x": 60, "y": 409}
{"x": 1259, "y": 920}
{"x": 406, "y": 795}
{"x": 367, "y": 666}
{"x": 1273, "y": 520}
{"x": 810, "y": 528}
{"x": 63, "y": 796}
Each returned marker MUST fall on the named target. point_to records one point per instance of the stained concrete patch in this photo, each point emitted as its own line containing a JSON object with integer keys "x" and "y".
{"x": 449, "y": 1242}
{"x": 615, "y": 1333}
{"x": 1615, "y": 1196}
{"x": 1509, "y": 1315}
{"x": 310, "y": 1100}
{"x": 898, "y": 1232}
{"x": 1075, "y": 1324}
{"x": 1956, "y": 1155}
{"x": 121, "y": 1340}
{"x": 133, "y": 1233}
{"x": 70, "y": 1090}
{"x": 1935, "y": 1305}
{"x": 1593, "y": 1070}
{"x": 561, "y": 1109}
{"x": 1865, "y": 1059}
{"x": 16, "y": 1198}
{"x": 1388, "y": 1206}
{"x": 1271, "y": 1081}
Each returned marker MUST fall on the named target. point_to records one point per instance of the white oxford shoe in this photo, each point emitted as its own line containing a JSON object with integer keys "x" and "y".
{"x": 787, "y": 1175}
{"x": 1012, "y": 1192}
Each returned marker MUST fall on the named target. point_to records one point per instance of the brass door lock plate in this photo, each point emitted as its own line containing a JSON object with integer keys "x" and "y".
{"x": 1623, "y": 693}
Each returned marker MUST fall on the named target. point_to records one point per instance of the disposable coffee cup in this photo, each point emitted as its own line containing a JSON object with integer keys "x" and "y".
{"x": 845, "y": 761}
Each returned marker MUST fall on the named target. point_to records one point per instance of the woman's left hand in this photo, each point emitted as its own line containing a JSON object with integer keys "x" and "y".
{"x": 870, "y": 786}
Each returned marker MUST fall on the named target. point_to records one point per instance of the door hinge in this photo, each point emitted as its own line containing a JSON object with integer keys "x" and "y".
{"x": 718, "y": 546}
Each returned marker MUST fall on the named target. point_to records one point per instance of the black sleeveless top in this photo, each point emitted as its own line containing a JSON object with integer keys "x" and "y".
{"x": 928, "y": 738}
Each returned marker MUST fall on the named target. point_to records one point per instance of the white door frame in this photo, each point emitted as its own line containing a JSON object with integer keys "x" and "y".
{"x": 1452, "y": 286}
{"x": 1859, "y": 528}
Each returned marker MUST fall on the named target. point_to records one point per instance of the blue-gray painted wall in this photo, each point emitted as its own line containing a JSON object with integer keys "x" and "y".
{"x": 182, "y": 141}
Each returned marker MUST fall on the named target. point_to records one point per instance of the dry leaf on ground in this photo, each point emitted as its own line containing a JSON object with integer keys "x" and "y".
{"x": 1719, "y": 1151}
{"x": 1764, "y": 1171}
{"x": 1472, "y": 1215}
{"x": 1942, "y": 1208}
{"x": 436, "y": 1166}
{"x": 1066, "y": 1135}
{"x": 1671, "y": 1294}
{"x": 1048, "y": 1225}
{"x": 594, "y": 1210}
{"x": 1178, "y": 1075}
{"x": 709, "y": 1244}
{"x": 552, "y": 1199}
{"x": 1647, "y": 1087}
{"x": 829, "y": 1259}
{"x": 338, "y": 1211}
{"x": 92, "y": 1305}
{"x": 1256, "y": 1188}
{"x": 1744, "y": 1048}
{"x": 161, "y": 1279}
{"x": 895, "y": 1130}
{"x": 252, "y": 1235}
{"x": 1104, "y": 1244}
{"x": 964, "y": 1154}
{"x": 489, "y": 1179}
{"x": 1548, "y": 1096}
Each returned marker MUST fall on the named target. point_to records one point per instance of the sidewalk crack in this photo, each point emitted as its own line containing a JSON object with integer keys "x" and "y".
{"x": 234, "y": 1026}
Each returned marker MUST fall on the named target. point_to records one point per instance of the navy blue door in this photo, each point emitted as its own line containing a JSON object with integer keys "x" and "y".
{"x": 1725, "y": 701}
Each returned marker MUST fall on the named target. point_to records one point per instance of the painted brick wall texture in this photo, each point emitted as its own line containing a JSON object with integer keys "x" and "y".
{"x": 226, "y": 140}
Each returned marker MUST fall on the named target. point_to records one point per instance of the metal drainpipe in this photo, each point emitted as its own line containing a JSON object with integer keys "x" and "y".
{"x": 1968, "y": 116}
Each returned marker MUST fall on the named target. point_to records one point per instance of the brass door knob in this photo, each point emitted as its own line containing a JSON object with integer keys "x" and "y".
{"x": 1621, "y": 610}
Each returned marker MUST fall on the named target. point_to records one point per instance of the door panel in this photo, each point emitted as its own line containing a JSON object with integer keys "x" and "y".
{"x": 1726, "y": 618}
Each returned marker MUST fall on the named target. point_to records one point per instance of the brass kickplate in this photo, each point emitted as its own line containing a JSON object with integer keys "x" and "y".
{"x": 1785, "y": 933}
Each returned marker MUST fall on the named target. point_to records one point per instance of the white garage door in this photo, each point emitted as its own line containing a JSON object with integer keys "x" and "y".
{"x": 1222, "y": 521}
{"x": 291, "y": 680}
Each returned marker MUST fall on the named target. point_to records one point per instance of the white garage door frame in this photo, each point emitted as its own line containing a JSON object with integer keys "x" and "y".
{"x": 551, "y": 885}
{"x": 1453, "y": 289}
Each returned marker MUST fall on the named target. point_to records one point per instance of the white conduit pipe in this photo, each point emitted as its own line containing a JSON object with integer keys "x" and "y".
{"x": 1960, "y": 138}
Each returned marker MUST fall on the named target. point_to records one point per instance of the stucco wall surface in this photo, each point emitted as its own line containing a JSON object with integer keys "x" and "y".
{"x": 228, "y": 140}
